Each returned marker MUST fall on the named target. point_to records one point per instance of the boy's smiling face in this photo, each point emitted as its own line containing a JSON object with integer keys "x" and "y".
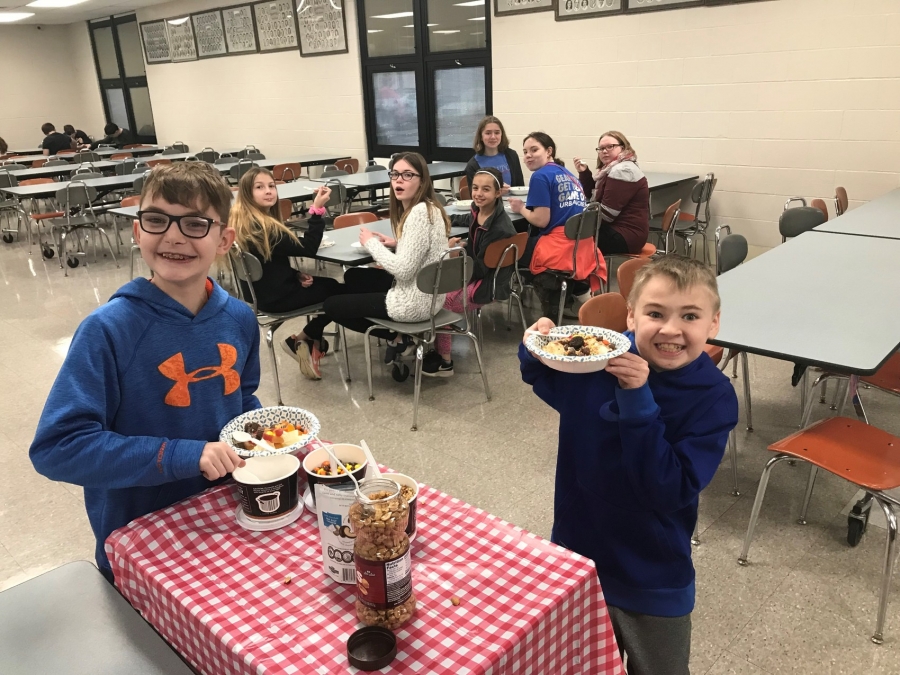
{"x": 174, "y": 258}
{"x": 671, "y": 326}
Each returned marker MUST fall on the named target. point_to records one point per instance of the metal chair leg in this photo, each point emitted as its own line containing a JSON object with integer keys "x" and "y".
{"x": 108, "y": 245}
{"x": 270, "y": 337}
{"x": 734, "y": 370}
{"x": 479, "y": 325}
{"x": 732, "y": 450}
{"x": 476, "y": 342}
{"x": 757, "y": 503}
{"x": 562, "y": 302}
{"x": 834, "y": 400}
{"x": 695, "y": 537}
{"x": 810, "y": 484}
{"x": 745, "y": 370}
{"x": 888, "y": 571}
{"x": 369, "y": 360}
{"x": 824, "y": 393}
{"x": 342, "y": 334}
{"x": 420, "y": 352}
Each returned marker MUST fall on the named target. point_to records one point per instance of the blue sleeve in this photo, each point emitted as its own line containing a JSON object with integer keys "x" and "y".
{"x": 539, "y": 190}
{"x": 73, "y": 442}
{"x": 250, "y": 374}
{"x": 541, "y": 378}
{"x": 669, "y": 476}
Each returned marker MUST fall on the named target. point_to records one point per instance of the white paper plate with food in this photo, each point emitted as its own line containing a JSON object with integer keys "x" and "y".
{"x": 463, "y": 204}
{"x": 518, "y": 191}
{"x": 577, "y": 349}
{"x": 283, "y": 428}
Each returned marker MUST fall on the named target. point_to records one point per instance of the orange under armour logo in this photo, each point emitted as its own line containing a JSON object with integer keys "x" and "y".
{"x": 179, "y": 395}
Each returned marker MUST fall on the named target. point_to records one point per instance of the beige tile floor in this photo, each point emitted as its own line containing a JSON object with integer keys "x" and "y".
{"x": 805, "y": 605}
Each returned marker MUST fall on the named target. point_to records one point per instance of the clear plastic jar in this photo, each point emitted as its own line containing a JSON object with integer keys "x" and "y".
{"x": 384, "y": 594}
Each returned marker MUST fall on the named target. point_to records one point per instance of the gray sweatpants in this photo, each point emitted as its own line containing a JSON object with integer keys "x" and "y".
{"x": 655, "y": 645}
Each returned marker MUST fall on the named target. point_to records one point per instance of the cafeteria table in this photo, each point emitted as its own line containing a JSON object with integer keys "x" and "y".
{"x": 71, "y": 620}
{"x": 103, "y": 186}
{"x": 877, "y": 218}
{"x": 373, "y": 180}
{"x": 240, "y": 602}
{"x": 62, "y": 169}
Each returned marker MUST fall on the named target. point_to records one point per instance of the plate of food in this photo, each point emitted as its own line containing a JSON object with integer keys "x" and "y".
{"x": 326, "y": 242}
{"x": 577, "y": 349}
{"x": 518, "y": 191}
{"x": 282, "y": 428}
{"x": 463, "y": 204}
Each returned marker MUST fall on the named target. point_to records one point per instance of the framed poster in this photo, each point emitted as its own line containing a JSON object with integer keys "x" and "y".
{"x": 647, "y": 5}
{"x": 504, "y": 7}
{"x": 181, "y": 39}
{"x": 156, "y": 42}
{"x": 322, "y": 27}
{"x": 276, "y": 27}
{"x": 240, "y": 31}
{"x": 210, "y": 34}
{"x": 584, "y": 9}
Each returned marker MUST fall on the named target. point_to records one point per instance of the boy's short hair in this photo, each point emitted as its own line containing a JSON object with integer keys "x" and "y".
{"x": 68, "y": 129}
{"x": 47, "y": 128}
{"x": 683, "y": 272}
{"x": 191, "y": 184}
{"x": 110, "y": 128}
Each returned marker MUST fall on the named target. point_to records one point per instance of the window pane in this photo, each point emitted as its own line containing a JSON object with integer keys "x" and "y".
{"x": 117, "y": 113}
{"x": 396, "y": 114}
{"x": 459, "y": 94}
{"x": 106, "y": 52}
{"x": 390, "y": 30}
{"x": 455, "y": 25}
{"x": 130, "y": 46}
{"x": 143, "y": 114}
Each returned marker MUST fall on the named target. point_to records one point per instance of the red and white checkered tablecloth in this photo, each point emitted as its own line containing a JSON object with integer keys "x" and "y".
{"x": 216, "y": 592}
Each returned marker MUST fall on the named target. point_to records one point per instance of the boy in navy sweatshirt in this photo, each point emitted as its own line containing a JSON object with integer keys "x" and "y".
{"x": 637, "y": 443}
{"x": 152, "y": 376}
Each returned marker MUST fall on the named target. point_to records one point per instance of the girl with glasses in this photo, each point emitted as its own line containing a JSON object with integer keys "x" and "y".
{"x": 420, "y": 229}
{"x": 260, "y": 230}
{"x": 492, "y": 150}
{"x": 620, "y": 187}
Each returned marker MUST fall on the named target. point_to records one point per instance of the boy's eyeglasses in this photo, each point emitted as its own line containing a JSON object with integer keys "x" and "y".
{"x": 192, "y": 227}
{"x": 405, "y": 175}
{"x": 607, "y": 148}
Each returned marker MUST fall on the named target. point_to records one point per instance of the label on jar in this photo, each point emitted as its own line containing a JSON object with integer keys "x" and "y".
{"x": 333, "y": 504}
{"x": 384, "y": 585}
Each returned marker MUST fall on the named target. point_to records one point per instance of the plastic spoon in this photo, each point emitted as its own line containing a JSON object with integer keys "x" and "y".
{"x": 244, "y": 437}
{"x": 376, "y": 472}
{"x": 339, "y": 463}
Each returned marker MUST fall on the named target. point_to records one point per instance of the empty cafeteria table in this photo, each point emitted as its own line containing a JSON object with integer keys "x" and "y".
{"x": 380, "y": 179}
{"x": 102, "y": 185}
{"x": 71, "y": 620}
{"x": 136, "y": 152}
{"x": 62, "y": 170}
{"x": 878, "y": 218}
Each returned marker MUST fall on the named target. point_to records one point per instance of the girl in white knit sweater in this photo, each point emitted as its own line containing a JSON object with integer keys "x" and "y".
{"x": 421, "y": 229}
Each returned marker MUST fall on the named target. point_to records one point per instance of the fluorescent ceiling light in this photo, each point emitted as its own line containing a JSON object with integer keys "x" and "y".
{"x": 396, "y": 15}
{"x": 9, "y": 17}
{"x": 472, "y": 3}
{"x": 55, "y": 3}
{"x": 410, "y": 25}
{"x": 445, "y": 32}
{"x": 178, "y": 22}
{"x": 374, "y": 31}
{"x": 477, "y": 18}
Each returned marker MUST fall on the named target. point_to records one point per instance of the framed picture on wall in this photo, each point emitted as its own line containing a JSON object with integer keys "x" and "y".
{"x": 276, "y": 25}
{"x": 585, "y": 9}
{"x": 240, "y": 30}
{"x": 504, "y": 7}
{"x": 649, "y": 5}
{"x": 156, "y": 42}
{"x": 181, "y": 39}
{"x": 210, "y": 34}
{"x": 322, "y": 26}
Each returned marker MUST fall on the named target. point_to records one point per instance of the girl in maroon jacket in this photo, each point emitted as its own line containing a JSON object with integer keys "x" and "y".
{"x": 621, "y": 188}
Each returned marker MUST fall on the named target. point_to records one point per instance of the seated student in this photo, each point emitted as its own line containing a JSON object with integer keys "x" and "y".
{"x": 256, "y": 219}
{"x": 54, "y": 141}
{"x": 621, "y": 189}
{"x": 492, "y": 150}
{"x": 3, "y": 147}
{"x": 421, "y": 228}
{"x": 638, "y": 441}
{"x": 488, "y": 222}
{"x": 77, "y": 135}
{"x": 152, "y": 376}
{"x": 554, "y": 196}
{"x": 115, "y": 135}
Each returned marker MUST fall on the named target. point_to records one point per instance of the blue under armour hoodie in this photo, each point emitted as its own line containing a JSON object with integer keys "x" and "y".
{"x": 145, "y": 385}
{"x": 631, "y": 465}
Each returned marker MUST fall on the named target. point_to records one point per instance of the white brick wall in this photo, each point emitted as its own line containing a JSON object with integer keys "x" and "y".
{"x": 792, "y": 97}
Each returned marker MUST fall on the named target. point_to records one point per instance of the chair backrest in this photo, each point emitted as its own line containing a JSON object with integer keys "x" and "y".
{"x": 57, "y": 162}
{"x": 841, "y": 201}
{"x": 76, "y": 193}
{"x": 607, "y": 310}
{"x": 134, "y": 200}
{"x": 286, "y": 207}
{"x": 732, "y": 251}
{"x": 701, "y": 195}
{"x": 255, "y": 156}
{"x": 138, "y": 183}
{"x": 141, "y": 168}
{"x": 121, "y": 155}
{"x": 191, "y": 158}
{"x": 239, "y": 169}
{"x": 463, "y": 183}
{"x": 798, "y": 220}
{"x": 464, "y": 193}
{"x": 670, "y": 217}
{"x": 247, "y": 150}
{"x": 176, "y": 148}
{"x": 441, "y": 199}
{"x": 583, "y": 225}
{"x": 246, "y": 269}
{"x": 496, "y": 255}
{"x": 338, "y": 195}
{"x": 66, "y": 152}
{"x": 126, "y": 167}
{"x": 626, "y": 273}
{"x": 7, "y": 179}
{"x": 86, "y": 174}
{"x": 820, "y": 204}
{"x": 331, "y": 173}
{"x": 791, "y": 200}
{"x": 348, "y": 165}
{"x": 330, "y": 167}
{"x": 287, "y": 172}
{"x": 374, "y": 167}
{"x": 351, "y": 219}
{"x": 446, "y": 275}
{"x": 38, "y": 163}
{"x": 82, "y": 157}
{"x": 208, "y": 155}
{"x": 12, "y": 166}
{"x": 156, "y": 162}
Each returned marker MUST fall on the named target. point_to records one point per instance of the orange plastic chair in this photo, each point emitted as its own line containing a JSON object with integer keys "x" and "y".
{"x": 861, "y": 454}
{"x": 841, "y": 202}
{"x": 287, "y": 208}
{"x": 136, "y": 145}
{"x": 464, "y": 193}
{"x": 287, "y": 172}
{"x": 155, "y": 162}
{"x": 496, "y": 256}
{"x": 607, "y": 310}
{"x": 348, "y": 165}
{"x": 820, "y": 204}
{"x": 122, "y": 155}
{"x": 463, "y": 183}
{"x": 67, "y": 152}
{"x": 626, "y": 272}
{"x": 134, "y": 200}
{"x": 36, "y": 164}
{"x": 39, "y": 217}
{"x": 351, "y": 219}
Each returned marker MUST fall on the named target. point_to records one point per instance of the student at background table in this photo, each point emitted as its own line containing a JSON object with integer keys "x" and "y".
{"x": 622, "y": 191}
{"x": 153, "y": 375}
{"x": 554, "y": 196}
{"x": 54, "y": 141}
{"x": 260, "y": 230}
{"x": 3, "y": 147}
{"x": 77, "y": 135}
{"x": 115, "y": 135}
{"x": 492, "y": 150}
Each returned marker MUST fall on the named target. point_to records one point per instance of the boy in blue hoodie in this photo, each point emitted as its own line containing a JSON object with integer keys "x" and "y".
{"x": 638, "y": 441}
{"x": 152, "y": 376}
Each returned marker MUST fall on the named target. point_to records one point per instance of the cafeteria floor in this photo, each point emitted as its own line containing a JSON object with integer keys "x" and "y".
{"x": 806, "y": 604}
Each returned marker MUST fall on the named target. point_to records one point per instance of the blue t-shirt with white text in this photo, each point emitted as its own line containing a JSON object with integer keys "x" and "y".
{"x": 555, "y": 187}
{"x": 498, "y": 162}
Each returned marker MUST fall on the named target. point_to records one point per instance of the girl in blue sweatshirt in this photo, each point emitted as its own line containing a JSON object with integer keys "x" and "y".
{"x": 637, "y": 443}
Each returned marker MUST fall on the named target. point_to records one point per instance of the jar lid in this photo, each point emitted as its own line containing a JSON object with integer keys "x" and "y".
{"x": 371, "y": 648}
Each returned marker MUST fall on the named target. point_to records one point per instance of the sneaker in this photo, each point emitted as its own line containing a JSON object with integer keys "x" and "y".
{"x": 308, "y": 366}
{"x": 315, "y": 355}
{"x": 392, "y": 351}
{"x": 290, "y": 346}
{"x": 433, "y": 365}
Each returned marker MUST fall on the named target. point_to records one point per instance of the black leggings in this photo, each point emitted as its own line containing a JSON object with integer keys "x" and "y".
{"x": 321, "y": 289}
{"x": 610, "y": 242}
{"x": 364, "y": 296}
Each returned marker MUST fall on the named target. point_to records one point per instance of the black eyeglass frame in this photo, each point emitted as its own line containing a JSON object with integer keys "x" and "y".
{"x": 394, "y": 175}
{"x": 177, "y": 220}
